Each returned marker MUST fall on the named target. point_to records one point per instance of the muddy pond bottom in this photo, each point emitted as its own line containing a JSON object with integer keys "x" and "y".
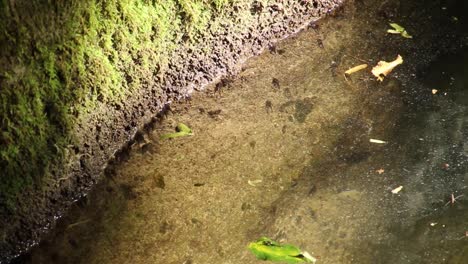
{"x": 284, "y": 150}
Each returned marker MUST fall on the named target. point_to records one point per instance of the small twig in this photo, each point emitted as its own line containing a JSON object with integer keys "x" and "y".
{"x": 463, "y": 237}
{"x": 453, "y": 199}
{"x": 78, "y": 223}
{"x": 357, "y": 58}
{"x": 63, "y": 178}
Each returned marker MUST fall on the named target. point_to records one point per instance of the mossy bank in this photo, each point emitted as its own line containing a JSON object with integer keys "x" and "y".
{"x": 79, "y": 79}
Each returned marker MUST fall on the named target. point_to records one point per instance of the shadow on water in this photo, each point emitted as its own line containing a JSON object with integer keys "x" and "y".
{"x": 284, "y": 151}
{"x": 436, "y": 160}
{"x": 436, "y": 157}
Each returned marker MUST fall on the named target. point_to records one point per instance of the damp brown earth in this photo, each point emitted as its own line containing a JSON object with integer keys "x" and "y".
{"x": 283, "y": 150}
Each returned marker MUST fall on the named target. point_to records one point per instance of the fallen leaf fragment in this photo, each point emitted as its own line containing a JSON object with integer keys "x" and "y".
{"x": 182, "y": 131}
{"x": 434, "y": 91}
{"x": 397, "y": 29}
{"x": 267, "y": 249}
{"x": 384, "y": 68}
{"x": 252, "y": 183}
{"x": 406, "y": 35}
{"x": 380, "y": 171}
{"x": 356, "y": 69}
{"x": 377, "y": 141}
{"x": 391, "y": 31}
{"x": 397, "y": 189}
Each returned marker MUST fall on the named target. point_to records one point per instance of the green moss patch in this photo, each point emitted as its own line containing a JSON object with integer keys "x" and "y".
{"x": 59, "y": 58}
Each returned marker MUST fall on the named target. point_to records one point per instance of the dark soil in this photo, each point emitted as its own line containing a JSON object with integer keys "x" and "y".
{"x": 106, "y": 133}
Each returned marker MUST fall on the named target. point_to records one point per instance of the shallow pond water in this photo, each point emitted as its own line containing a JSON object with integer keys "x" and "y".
{"x": 283, "y": 150}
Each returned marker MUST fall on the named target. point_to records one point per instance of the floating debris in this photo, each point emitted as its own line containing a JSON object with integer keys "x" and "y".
{"x": 434, "y": 91}
{"x": 380, "y": 171}
{"x": 377, "y": 141}
{"x": 433, "y": 224}
{"x": 254, "y": 182}
{"x": 384, "y": 68}
{"x": 397, "y": 189}
{"x": 356, "y": 69}
{"x": 397, "y": 29}
{"x": 267, "y": 249}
